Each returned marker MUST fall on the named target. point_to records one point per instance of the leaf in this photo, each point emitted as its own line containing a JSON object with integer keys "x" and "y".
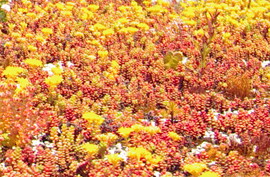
{"x": 2, "y": 16}
{"x": 172, "y": 59}
{"x": 3, "y": 2}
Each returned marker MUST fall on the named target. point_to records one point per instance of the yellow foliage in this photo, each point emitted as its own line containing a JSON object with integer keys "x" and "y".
{"x": 33, "y": 62}
{"x": 152, "y": 130}
{"x": 107, "y": 138}
{"x": 47, "y": 31}
{"x": 7, "y": 44}
{"x": 195, "y": 169}
{"x": 103, "y": 54}
{"x": 108, "y": 32}
{"x": 78, "y": 34}
{"x": 66, "y": 13}
{"x": 199, "y": 32}
{"x": 114, "y": 158}
{"x": 32, "y": 48}
{"x": 93, "y": 7}
{"x": 143, "y": 26}
{"x": 93, "y": 118}
{"x": 130, "y": 30}
{"x": 174, "y": 136}
{"x": 54, "y": 80}
{"x": 137, "y": 127}
{"x": 57, "y": 70}
{"x": 99, "y": 27}
{"x": 23, "y": 83}
{"x": 92, "y": 149}
{"x": 140, "y": 152}
{"x": 123, "y": 20}
{"x": 12, "y": 71}
{"x": 209, "y": 174}
{"x": 40, "y": 38}
{"x": 125, "y": 132}
{"x": 156, "y": 9}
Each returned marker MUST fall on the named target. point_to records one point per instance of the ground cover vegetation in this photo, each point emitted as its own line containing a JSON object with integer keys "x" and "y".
{"x": 135, "y": 88}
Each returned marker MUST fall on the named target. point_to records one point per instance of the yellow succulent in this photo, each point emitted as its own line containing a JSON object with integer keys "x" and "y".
{"x": 137, "y": 127}
{"x": 209, "y": 174}
{"x": 15, "y": 35}
{"x": 22, "y": 10}
{"x": 109, "y": 75}
{"x": 23, "y": 83}
{"x": 69, "y": 7}
{"x": 57, "y": 70}
{"x": 130, "y": 30}
{"x": 107, "y": 138}
{"x": 199, "y": 32}
{"x": 195, "y": 169}
{"x": 8, "y": 44}
{"x": 54, "y": 80}
{"x": 226, "y": 35}
{"x": 123, "y": 20}
{"x": 94, "y": 42}
{"x": 33, "y": 62}
{"x": 26, "y": 2}
{"x": 154, "y": 160}
{"x": 23, "y": 25}
{"x": 143, "y": 26}
{"x": 152, "y": 130}
{"x": 99, "y": 27}
{"x": 125, "y": 132}
{"x": 31, "y": 15}
{"x": 123, "y": 8}
{"x": 114, "y": 158}
{"x": 78, "y": 34}
{"x": 115, "y": 65}
{"x": 86, "y": 14}
{"x": 108, "y": 32}
{"x": 12, "y": 71}
{"x": 66, "y": 13}
{"x": 21, "y": 40}
{"x": 190, "y": 22}
{"x": 92, "y": 149}
{"x": 163, "y": 3}
{"x": 60, "y": 6}
{"x": 32, "y": 48}
{"x": 103, "y": 53}
{"x": 29, "y": 35}
{"x": 91, "y": 57}
{"x": 93, "y": 118}
{"x": 71, "y": 3}
{"x": 174, "y": 136}
{"x": 11, "y": 26}
{"x": 156, "y": 9}
{"x": 138, "y": 153}
{"x": 93, "y": 7}
{"x": 47, "y": 31}
{"x": 268, "y": 76}
{"x": 40, "y": 38}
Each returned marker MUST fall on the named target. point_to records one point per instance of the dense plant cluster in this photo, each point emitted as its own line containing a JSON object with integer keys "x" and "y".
{"x": 135, "y": 88}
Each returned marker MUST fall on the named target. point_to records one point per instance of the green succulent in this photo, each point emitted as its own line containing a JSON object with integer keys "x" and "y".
{"x": 171, "y": 59}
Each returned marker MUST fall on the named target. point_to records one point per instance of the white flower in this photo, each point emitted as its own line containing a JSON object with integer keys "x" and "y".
{"x": 48, "y": 68}
{"x": 265, "y": 63}
{"x": 69, "y": 64}
{"x": 235, "y": 138}
{"x": 6, "y": 7}
{"x": 119, "y": 149}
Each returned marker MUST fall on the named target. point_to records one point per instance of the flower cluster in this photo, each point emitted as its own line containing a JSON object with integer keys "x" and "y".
{"x": 135, "y": 87}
